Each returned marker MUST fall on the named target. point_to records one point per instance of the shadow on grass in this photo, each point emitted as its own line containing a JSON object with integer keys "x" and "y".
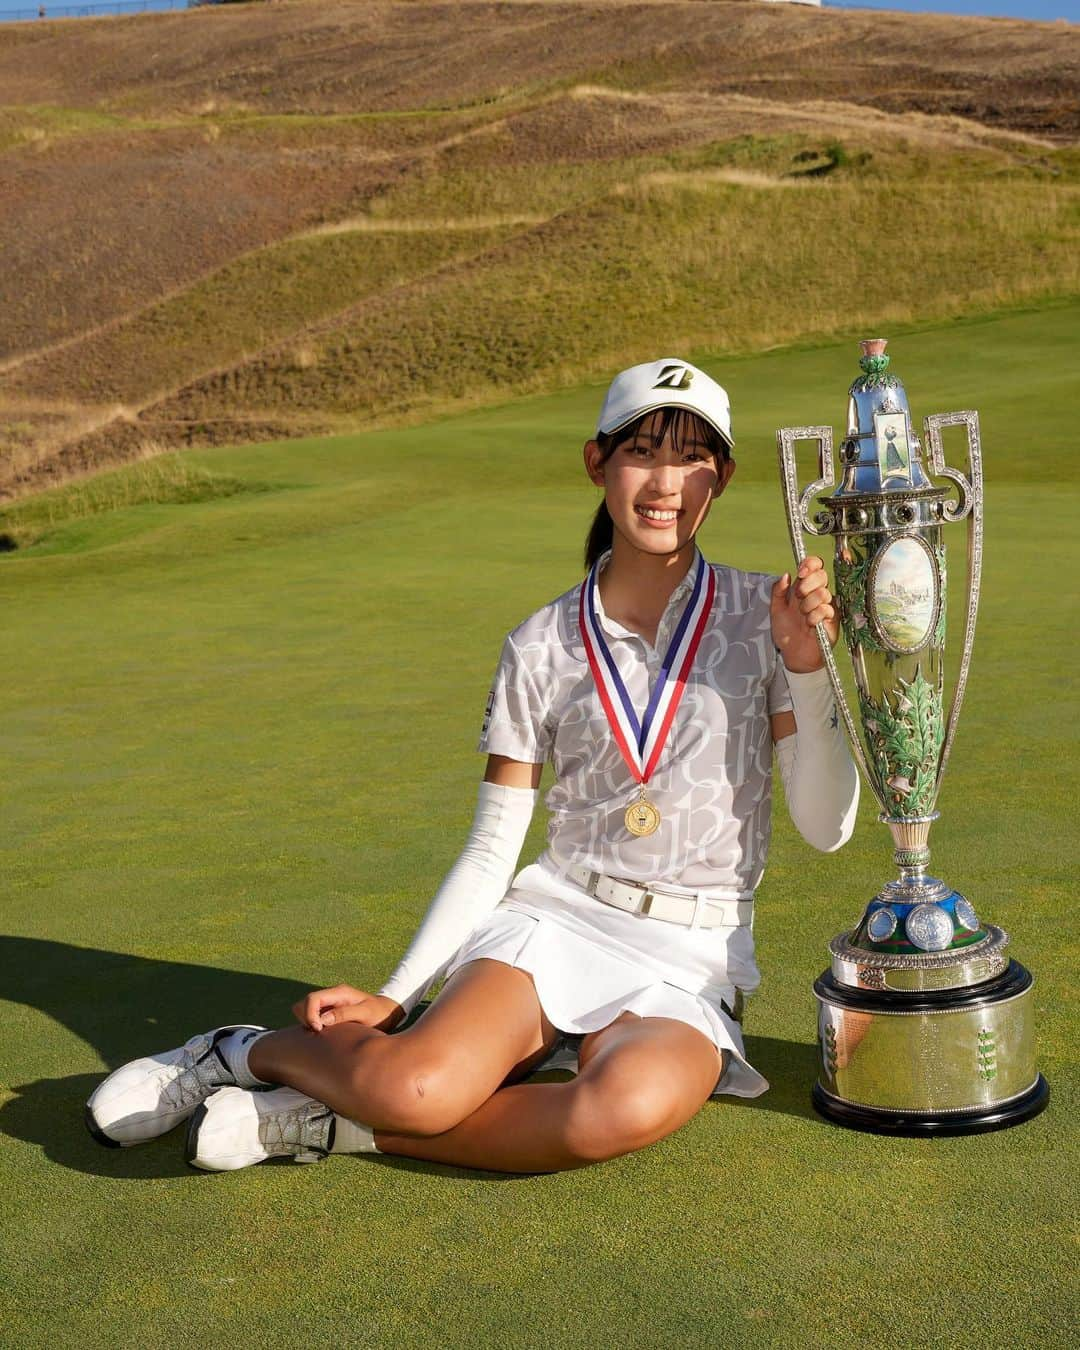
{"x": 127, "y": 1006}
{"x": 792, "y": 1068}
{"x": 124, "y": 1006}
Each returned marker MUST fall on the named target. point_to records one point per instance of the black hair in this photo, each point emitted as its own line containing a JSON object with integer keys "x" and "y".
{"x": 682, "y": 423}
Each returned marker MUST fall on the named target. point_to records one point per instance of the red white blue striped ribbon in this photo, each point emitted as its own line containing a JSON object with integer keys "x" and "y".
{"x": 642, "y": 742}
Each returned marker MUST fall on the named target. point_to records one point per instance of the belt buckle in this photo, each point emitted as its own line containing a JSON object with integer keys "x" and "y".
{"x": 646, "y": 901}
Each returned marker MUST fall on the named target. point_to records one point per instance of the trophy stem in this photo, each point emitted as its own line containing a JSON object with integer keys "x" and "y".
{"x": 911, "y": 851}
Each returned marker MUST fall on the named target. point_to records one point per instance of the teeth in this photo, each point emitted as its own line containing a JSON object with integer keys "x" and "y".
{"x": 657, "y": 515}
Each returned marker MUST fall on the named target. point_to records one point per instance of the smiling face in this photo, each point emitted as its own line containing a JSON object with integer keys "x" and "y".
{"x": 658, "y": 481}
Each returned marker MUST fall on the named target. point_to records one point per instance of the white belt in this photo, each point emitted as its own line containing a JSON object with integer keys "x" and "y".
{"x": 695, "y": 911}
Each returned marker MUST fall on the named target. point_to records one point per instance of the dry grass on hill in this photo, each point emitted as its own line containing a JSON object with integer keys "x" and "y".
{"x": 260, "y": 220}
{"x": 677, "y": 262}
{"x": 324, "y": 56}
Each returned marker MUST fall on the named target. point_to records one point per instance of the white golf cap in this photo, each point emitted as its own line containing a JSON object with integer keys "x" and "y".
{"x": 669, "y": 383}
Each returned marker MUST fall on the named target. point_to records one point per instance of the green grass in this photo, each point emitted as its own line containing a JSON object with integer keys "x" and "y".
{"x": 167, "y": 479}
{"x": 238, "y": 750}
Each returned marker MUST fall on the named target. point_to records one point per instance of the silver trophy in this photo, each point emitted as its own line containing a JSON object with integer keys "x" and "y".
{"x": 925, "y": 1025}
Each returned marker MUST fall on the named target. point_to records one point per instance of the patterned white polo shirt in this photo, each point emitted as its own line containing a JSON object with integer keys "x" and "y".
{"x": 712, "y": 783}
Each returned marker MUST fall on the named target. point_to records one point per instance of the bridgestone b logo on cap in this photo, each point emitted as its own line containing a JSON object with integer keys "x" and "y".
{"x": 674, "y": 377}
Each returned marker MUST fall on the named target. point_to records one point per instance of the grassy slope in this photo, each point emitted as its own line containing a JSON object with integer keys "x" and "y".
{"x": 448, "y": 317}
{"x": 238, "y": 762}
{"x": 267, "y": 295}
{"x": 696, "y": 262}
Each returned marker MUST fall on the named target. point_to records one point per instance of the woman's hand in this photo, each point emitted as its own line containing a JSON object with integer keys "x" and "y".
{"x": 796, "y": 608}
{"x": 343, "y": 1003}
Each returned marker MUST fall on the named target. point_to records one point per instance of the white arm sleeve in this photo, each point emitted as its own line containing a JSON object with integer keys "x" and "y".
{"x": 471, "y": 890}
{"x": 821, "y": 783}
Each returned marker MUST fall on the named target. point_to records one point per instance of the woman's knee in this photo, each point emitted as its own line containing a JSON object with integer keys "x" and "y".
{"x": 391, "y": 1087}
{"x": 602, "y": 1124}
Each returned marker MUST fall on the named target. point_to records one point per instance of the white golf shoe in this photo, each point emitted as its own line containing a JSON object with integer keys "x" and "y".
{"x": 148, "y": 1097}
{"x": 235, "y": 1128}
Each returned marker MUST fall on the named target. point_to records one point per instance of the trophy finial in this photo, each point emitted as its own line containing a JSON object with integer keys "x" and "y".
{"x": 873, "y": 360}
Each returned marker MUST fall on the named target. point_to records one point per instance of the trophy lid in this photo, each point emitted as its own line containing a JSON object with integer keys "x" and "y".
{"x": 881, "y": 452}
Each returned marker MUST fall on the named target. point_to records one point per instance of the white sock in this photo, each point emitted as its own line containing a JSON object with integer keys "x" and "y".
{"x": 352, "y": 1137}
{"x": 234, "y": 1051}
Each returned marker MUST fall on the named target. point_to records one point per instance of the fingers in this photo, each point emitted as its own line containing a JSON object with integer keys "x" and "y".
{"x": 811, "y": 576}
{"x": 351, "y": 1012}
{"x": 314, "y": 1010}
{"x": 811, "y": 592}
{"x": 309, "y": 1010}
{"x": 820, "y": 614}
{"x": 801, "y": 608}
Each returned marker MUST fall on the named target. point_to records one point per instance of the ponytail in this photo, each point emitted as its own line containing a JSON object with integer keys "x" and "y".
{"x": 601, "y": 533}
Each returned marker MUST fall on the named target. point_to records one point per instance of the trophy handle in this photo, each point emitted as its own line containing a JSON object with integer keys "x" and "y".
{"x": 797, "y": 507}
{"x": 969, "y": 506}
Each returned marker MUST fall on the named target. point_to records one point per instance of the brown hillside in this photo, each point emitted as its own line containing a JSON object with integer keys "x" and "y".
{"x": 369, "y": 55}
{"x": 166, "y": 177}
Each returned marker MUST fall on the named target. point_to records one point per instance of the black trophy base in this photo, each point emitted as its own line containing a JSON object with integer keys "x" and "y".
{"x": 922, "y": 1124}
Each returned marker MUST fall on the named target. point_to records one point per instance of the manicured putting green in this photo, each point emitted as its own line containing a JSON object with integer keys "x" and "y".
{"x": 238, "y": 748}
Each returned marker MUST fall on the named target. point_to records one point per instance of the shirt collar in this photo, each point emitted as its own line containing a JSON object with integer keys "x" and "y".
{"x": 678, "y": 595}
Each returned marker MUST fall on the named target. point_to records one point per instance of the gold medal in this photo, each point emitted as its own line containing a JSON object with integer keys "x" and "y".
{"x": 642, "y": 817}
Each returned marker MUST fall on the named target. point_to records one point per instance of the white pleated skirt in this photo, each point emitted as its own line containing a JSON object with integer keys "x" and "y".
{"x": 590, "y": 962}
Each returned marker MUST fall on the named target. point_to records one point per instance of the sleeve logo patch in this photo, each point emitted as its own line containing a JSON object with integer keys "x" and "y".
{"x": 489, "y": 708}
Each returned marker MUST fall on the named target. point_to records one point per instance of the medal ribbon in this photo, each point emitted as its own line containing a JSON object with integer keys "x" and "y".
{"x": 641, "y": 742}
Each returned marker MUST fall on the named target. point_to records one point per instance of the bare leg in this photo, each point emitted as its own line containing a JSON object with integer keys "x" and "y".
{"x": 486, "y": 1025}
{"x": 639, "y": 1080}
